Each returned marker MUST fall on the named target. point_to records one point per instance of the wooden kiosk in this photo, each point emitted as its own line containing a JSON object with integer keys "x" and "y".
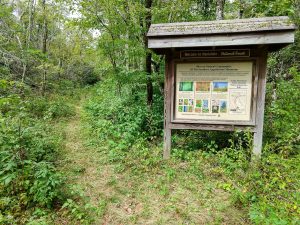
{"x": 215, "y": 75}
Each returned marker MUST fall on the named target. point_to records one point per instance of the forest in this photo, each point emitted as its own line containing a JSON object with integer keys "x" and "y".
{"x": 81, "y": 121}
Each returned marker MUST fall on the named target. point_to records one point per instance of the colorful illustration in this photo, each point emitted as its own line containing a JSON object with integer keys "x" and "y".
{"x": 186, "y": 105}
{"x": 198, "y": 110}
{"x": 205, "y": 108}
{"x": 215, "y": 106}
{"x": 215, "y": 109}
{"x": 186, "y": 86}
{"x": 223, "y": 106}
{"x": 198, "y": 103}
{"x": 186, "y": 101}
{"x": 205, "y": 103}
{"x": 203, "y": 86}
{"x": 220, "y": 86}
{"x": 180, "y": 101}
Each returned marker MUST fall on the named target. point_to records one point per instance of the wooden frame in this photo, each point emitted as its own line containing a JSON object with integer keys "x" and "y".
{"x": 257, "y": 104}
{"x": 251, "y": 122}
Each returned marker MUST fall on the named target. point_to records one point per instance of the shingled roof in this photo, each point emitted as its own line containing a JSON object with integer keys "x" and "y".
{"x": 222, "y": 26}
{"x": 254, "y": 31}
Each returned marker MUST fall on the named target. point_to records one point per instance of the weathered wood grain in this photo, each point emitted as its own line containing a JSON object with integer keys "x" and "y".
{"x": 197, "y": 126}
{"x": 215, "y": 122}
{"x": 221, "y": 26}
{"x": 167, "y": 107}
{"x": 260, "y": 106}
{"x": 222, "y": 40}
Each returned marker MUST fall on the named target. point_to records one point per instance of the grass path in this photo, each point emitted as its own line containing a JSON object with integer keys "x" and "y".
{"x": 83, "y": 160}
{"x": 82, "y": 163}
{"x": 120, "y": 196}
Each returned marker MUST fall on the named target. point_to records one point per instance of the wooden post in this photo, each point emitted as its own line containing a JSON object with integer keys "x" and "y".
{"x": 260, "y": 107}
{"x": 167, "y": 107}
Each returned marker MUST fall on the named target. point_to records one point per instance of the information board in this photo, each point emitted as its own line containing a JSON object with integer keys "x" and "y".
{"x": 214, "y": 91}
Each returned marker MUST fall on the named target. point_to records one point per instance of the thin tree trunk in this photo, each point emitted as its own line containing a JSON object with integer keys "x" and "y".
{"x": 44, "y": 45}
{"x": 148, "y": 5}
{"x": 157, "y": 70}
{"x": 204, "y": 6}
{"x": 23, "y": 56}
{"x": 127, "y": 36}
{"x": 241, "y": 9}
{"x": 29, "y": 28}
{"x": 220, "y": 9}
{"x": 24, "y": 72}
{"x": 28, "y": 36}
{"x": 45, "y": 29}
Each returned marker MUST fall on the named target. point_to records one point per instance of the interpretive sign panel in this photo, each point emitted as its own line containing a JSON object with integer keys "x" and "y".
{"x": 214, "y": 91}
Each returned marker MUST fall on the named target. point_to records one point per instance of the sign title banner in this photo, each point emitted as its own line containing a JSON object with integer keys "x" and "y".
{"x": 215, "y": 53}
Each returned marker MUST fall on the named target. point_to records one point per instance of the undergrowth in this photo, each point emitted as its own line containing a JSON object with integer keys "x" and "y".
{"x": 131, "y": 135}
{"x": 30, "y": 184}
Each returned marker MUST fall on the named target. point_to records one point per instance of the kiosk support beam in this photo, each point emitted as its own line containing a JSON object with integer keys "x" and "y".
{"x": 167, "y": 107}
{"x": 258, "y": 134}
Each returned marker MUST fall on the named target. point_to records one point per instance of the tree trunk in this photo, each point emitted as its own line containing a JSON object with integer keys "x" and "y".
{"x": 204, "y": 8}
{"x": 220, "y": 9}
{"x": 241, "y": 9}
{"x": 45, "y": 29}
{"x": 29, "y": 28}
{"x": 23, "y": 56}
{"x": 44, "y": 44}
{"x": 148, "y": 5}
{"x": 28, "y": 37}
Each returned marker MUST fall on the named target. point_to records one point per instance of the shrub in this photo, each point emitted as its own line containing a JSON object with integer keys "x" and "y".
{"x": 46, "y": 184}
{"x": 28, "y": 149}
{"x": 125, "y": 118}
{"x": 282, "y": 115}
{"x": 58, "y": 109}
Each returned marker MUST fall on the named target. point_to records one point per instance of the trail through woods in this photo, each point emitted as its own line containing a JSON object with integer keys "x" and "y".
{"x": 119, "y": 196}
{"x": 83, "y": 167}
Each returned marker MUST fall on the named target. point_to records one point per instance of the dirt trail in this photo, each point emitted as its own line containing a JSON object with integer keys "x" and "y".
{"x": 120, "y": 197}
{"x": 82, "y": 163}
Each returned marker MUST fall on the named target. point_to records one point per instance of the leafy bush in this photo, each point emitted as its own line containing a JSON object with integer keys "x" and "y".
{"x": 124, "y": 119}
{"x": 58, "y": 109}
{"x": 45, "y": 188}
{"x": 51, "y": 109}
{"x": 29, "y": 148}
{"x": 282, "y": 115}
{"x": 274, "y": 185}
{"x": 27, "y": 170}
{"x": 10, "y": 96}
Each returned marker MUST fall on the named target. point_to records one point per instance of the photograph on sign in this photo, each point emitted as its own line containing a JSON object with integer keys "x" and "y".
{"x": 214, "y": 91}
